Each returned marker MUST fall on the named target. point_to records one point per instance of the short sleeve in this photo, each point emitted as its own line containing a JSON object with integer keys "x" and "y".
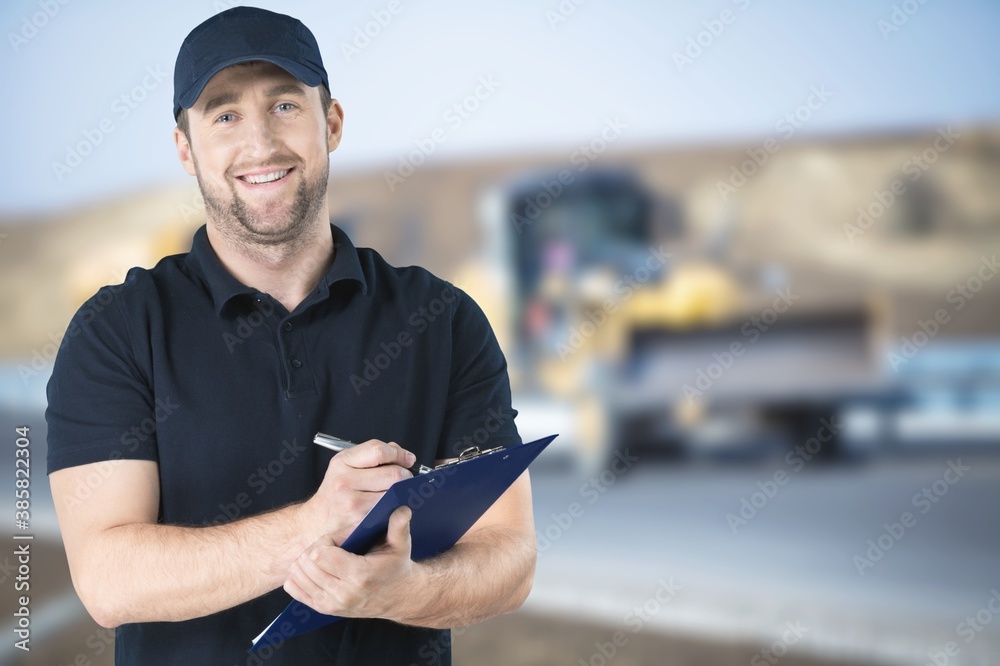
{"x": 100, "y": 403}
{"x": 479, "y": 411}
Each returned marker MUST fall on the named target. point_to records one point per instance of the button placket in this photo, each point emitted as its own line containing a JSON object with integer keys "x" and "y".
{"x": 292, "y": 345}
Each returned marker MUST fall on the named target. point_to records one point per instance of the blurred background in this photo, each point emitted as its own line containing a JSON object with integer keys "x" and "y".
{"x": 741, "y": 255}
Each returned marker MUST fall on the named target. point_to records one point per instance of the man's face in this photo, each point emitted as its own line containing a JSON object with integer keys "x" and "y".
{"x": 259, "y": 144}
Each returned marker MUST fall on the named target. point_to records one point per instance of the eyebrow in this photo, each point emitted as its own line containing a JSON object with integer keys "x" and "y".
{"x": 219, "y": 100}
{"x": 231, "y": 97}
{"x": 286, "y": 89}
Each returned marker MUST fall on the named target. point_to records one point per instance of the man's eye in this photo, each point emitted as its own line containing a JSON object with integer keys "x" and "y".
{"x": 285, "y": 106}
{"x": 225, "y": 118}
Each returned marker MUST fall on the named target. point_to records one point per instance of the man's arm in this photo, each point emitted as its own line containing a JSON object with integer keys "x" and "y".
{"x": 488, "y": 572}
{"x": 127, "y": 568}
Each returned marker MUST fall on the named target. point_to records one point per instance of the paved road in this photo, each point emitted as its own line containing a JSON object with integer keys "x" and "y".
{"x": 794, "y": 561}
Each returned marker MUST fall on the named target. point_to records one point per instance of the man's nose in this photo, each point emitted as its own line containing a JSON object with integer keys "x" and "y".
{"x": 261, "y": 138}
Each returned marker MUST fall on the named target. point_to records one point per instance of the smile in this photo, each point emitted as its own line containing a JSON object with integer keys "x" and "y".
{"x": 263, "y": 178}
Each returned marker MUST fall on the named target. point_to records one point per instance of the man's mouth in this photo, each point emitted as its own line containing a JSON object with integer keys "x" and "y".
{"x": 264, "y": 177}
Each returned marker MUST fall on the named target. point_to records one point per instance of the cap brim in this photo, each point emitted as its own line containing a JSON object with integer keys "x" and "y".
{"x": 302, "y": 73}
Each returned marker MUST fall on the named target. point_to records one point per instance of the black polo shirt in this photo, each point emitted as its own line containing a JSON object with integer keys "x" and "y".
{"x": 224, "y": 388}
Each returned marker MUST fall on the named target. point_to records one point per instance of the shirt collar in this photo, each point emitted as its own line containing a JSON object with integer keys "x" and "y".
{"x": 224, "y": 287}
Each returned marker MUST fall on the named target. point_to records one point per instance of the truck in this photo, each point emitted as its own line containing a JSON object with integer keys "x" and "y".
{"x": 620, "y": 333}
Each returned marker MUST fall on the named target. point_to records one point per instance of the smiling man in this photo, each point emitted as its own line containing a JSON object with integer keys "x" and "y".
{"x": 180, "y": 411}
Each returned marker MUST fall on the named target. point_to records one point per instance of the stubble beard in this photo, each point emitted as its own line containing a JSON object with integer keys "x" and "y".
{"x": 260, "y": 233}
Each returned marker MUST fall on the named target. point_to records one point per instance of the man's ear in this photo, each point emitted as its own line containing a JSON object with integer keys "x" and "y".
{"x": 334, "y": 124}
{"x": 184, "y": 151}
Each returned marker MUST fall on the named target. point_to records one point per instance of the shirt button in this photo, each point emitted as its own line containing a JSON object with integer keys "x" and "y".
{"x": 288, "y": 325}
{"x": 296, "y": 363}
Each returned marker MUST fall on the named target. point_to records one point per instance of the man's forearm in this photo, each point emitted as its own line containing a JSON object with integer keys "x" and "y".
{"x": 148, "y": 572}
{"x": 487, "y": 574}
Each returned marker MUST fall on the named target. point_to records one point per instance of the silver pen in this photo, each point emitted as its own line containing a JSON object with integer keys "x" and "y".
{"x": 337, "y": 444}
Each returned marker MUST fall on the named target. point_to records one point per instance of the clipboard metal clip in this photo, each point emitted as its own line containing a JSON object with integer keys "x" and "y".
{"x": 470, "y": 453}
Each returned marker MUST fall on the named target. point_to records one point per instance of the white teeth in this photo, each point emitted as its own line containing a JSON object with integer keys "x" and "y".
{"x": 265, "y": 178}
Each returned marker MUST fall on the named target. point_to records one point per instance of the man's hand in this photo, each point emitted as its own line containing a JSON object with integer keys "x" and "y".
{"x": 354, "y": 481}
{"x": 335, "y": 582}
{"x": 447, "y": 590}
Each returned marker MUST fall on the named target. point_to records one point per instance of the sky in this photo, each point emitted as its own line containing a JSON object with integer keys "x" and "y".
{"x": 88, "y": 116}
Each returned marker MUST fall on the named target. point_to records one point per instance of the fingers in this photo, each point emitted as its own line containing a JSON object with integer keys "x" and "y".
{"x": 354, "y": 482}
{"x": 311, "y": 576}
{"x": 296, "y": 592}
{"x": 398, "y": 533}
{"x": 377, "y": 479}
{"x": 375, "y": 452}
{"x": 336, "y": 582}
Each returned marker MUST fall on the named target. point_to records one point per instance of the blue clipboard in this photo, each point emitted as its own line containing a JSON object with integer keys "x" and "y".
{"x": 446, "y": 502}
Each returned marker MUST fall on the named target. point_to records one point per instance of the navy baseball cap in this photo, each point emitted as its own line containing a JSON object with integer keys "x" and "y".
{"x": 242, "y": 34}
